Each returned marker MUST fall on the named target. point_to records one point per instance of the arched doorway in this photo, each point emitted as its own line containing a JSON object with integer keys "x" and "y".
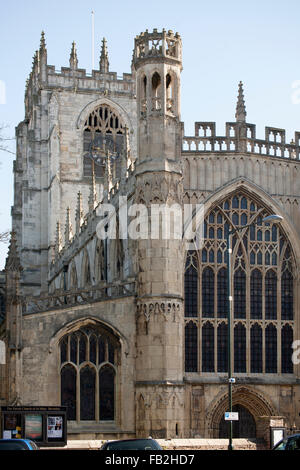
{"x": 248, "y": 402}
{"x": 245, "y": 427}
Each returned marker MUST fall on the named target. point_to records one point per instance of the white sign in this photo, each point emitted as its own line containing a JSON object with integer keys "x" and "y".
{"x": 231, "y": 416}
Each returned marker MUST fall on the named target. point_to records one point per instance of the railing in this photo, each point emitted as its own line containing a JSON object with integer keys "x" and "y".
{"x": 65, "y": 299}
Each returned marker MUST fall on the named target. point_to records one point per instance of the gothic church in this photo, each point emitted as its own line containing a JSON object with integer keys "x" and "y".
{"x": 132, "y": 334}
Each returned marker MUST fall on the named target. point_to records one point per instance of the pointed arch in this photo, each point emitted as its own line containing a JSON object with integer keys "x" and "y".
{"x": 255, "y": 402}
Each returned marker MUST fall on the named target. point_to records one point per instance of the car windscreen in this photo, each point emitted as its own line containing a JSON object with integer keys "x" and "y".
{"x": 13, "y": 445}
{"x": 133, "y": 445}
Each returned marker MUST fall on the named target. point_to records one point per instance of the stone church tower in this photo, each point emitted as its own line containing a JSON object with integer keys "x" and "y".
{"x": 157, "y": 61}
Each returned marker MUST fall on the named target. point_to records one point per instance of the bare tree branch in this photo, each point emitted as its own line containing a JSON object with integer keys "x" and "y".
{"x": 5, "y": 236}
{"x": 4, "y": 139}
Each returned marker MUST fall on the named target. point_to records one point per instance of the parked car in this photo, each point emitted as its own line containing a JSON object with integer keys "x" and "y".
{"x": 288, "y": 443}
{"x": 132, "y": 444}
{"x": 17, "y": 444}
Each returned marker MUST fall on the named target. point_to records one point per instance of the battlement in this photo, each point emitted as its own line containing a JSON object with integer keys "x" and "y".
{"x": 241, "y": 137}
{"x": 165, "y": 44}
{"x": 44, "y": 76}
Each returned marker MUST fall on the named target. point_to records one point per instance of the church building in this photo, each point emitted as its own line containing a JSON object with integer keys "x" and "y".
{"x": 130, "y": 330}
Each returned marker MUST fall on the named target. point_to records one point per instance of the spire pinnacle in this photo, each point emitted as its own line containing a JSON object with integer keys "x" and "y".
{"x": 73, "y": 57}
{"x": 42, "y": 43}
{"x": 240, "y": 107}
{"x": 79, "y": 212}
{"x": 93, "y": 191}
{"x": 104, "y": 63}
{"x": 58, "y": 239}
{"x": 68, "y": 227}
{"x": 13, "y": 260}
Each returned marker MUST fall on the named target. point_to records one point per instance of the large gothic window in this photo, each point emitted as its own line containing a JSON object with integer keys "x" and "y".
{"x": 103, "y": 134}
{"x": 262, "y": 282}
{"x": 88, "y": 358}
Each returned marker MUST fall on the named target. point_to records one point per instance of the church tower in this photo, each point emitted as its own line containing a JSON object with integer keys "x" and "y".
{"x": 159, "y": 363}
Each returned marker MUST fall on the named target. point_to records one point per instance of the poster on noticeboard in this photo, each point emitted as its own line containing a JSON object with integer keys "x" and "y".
{"x": 33, "y": 427}
{"x": 55, "y": 427}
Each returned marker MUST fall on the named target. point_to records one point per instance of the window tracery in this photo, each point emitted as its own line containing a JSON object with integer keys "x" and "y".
{"x": 263, "y": 291}
{"x": 88, "y": 361}
{"x": 103, "y": 133}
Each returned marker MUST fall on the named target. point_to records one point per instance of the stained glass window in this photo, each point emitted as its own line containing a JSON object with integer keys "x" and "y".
{"x": 107, "y": 393}
{"x": 271, "y": 349}
{"x": 286, "y": 350}
{"x": 256, "y": 348}
{"x": 87, "y": 393}
{"x": 271, "y": 295}
{"x": 262, "y": 281}
{"x": 222, "y": 348}
{"x": 240, "y": 293}
{"x": 191, "y": 347}
{"x": 287, "y": 295}
{"x": 208, "y": 292}
{"x": 256, "y": 294}
{"x": 240, "y": 348}
{"x": 222, "y": 293}
{"x": 191, "y": 286}
{"x": 68, "y": 390}
{"x": 92, "y": 352}
{"x": 208, "y": 348}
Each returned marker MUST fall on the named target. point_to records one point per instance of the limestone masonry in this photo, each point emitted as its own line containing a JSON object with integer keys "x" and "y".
{"x": 131, "y": 334}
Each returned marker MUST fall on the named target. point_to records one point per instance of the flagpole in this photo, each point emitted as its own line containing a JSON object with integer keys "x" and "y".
{"x": 93, "y": 40}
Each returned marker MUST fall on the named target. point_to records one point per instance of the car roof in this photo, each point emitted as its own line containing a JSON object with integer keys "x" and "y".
{"x": 14, "y": 440}
{"x": 129, "y": 440}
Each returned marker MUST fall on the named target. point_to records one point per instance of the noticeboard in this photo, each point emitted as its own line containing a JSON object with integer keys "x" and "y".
{"x": 46, "y": 425}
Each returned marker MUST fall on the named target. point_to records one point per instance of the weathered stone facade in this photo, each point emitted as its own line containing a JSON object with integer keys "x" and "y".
{"x": 75, "y": 288}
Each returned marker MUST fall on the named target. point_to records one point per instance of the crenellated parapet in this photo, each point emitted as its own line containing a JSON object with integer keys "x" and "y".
{"x": 274, "y": 144}
{"x": 165, "y": 45}
{"x": 240, "y": 137}
{"x": 45, "y": 76}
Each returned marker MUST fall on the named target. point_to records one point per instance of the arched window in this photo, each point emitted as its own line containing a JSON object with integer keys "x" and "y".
{"x": 271, "y": 349}
{"x": 191, "y": 285}
{"x": 87, "y": 393}
{"x": 240, "y": 348}
{"x": 156, "y": 92}
{"x": 239, "y": 293}
{"x": 208, "y": 349}
{"x": 103, "y": 133}
{"x": 191, "y": 347}
{"x": 68, "y": 390}
{"x": 262, "y": 280}
{"x": 271, "y": 295}
{"x": 287, "y": 287}
{"x": 256, "y": 294}
{"x": 222, "y": 348}
{"x": 256, "y": 348}
{"x": 222, "y": 293}
{"x": 208, "y": 293}
{"x": 107, "y": 395}
{"x": 88, "y": 374}
{"x": 170, "y": 94}
{"x": 286, "y": 349}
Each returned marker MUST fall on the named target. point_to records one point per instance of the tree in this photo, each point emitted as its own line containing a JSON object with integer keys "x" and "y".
{"x": 4, "y": 139}
{"x": 4, "y": 236}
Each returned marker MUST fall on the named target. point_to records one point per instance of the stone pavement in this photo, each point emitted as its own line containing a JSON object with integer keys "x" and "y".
{"x": 174, "y": 444}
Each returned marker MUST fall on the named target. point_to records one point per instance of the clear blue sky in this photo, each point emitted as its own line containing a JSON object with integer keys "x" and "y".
{"x": 224, "y": 42}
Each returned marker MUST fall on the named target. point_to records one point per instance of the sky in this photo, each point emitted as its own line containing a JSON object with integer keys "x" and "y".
{"x": 257, "y": 42}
